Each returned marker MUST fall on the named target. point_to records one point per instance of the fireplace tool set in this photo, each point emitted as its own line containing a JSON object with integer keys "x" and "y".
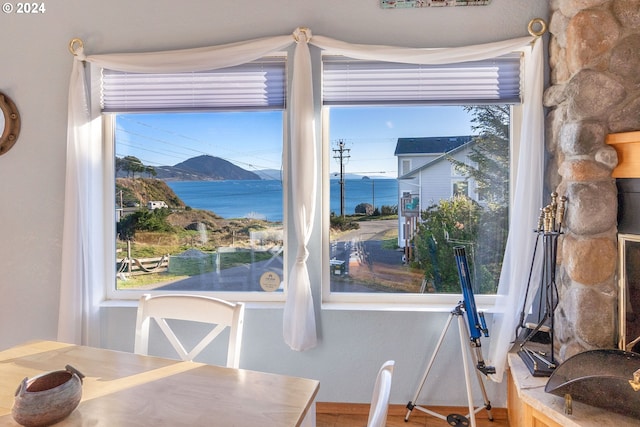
{"x": 477, "y": 325}
{"x": 542, "y": 363}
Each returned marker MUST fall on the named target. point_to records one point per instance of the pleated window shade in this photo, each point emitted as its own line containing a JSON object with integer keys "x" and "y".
{"x": 349, "y": 81}
{"x": 256, "y": 85}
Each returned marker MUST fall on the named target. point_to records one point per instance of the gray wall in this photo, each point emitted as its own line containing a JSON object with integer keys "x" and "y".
{"x": 34, "y": 71}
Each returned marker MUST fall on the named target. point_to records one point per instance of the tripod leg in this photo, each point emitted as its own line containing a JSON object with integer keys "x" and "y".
{"x": 485, "y": 398}
{"x": 463, "y": 345}
{"x": 476, "y": 357}
{"x": 412, "y": 403}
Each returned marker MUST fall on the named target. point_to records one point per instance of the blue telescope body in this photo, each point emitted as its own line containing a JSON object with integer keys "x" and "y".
{"x": 477, "y": 324}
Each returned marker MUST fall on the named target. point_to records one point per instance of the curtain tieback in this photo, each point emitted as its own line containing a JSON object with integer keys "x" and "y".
{"x": 303, "y": 255}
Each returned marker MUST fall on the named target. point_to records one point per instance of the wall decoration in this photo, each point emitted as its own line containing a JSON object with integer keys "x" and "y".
{"x": 406, "y": 4}
{"x": 9, "y": 123}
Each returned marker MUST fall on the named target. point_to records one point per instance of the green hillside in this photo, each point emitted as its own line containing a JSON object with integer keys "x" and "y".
{"x": 139, "y": 191}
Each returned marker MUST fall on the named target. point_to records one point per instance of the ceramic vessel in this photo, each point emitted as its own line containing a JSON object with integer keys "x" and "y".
{"x": 47, "y": 398}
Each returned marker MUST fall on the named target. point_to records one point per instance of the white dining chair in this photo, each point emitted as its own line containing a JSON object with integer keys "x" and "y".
{"x": 214, "y": 311}
{"x": 380, "y": 398}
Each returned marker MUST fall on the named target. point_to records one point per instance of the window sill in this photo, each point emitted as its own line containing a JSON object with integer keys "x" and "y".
{"x": 395, "y": 307}
{"x": 133, "y": 303}
{"x": 487, "y": 307}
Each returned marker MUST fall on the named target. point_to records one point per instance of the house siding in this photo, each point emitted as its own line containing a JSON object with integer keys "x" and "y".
{"x": 432, "y": 184}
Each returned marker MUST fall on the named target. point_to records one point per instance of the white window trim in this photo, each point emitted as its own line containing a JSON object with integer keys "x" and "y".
{"x": 456, "y": 180}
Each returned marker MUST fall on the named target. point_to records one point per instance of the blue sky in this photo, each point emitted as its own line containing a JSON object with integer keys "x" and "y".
{"x": 253, "y": 140}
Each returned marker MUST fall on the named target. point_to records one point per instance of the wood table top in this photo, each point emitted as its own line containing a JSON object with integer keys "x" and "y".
{"x": 125, "y": 389}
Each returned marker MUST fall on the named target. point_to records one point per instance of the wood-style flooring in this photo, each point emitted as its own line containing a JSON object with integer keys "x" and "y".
{"x": 355, "y": 415}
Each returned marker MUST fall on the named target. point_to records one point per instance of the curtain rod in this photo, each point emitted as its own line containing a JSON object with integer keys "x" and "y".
{"x": 76, "y": 45}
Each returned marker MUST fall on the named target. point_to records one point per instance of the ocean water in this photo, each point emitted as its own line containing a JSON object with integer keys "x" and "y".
{"x": 263, "y": 199}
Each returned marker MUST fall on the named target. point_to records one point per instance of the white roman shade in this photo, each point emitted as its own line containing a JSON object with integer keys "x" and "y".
{"x": 348, "y": 81}
{"x": 255, "y": 85}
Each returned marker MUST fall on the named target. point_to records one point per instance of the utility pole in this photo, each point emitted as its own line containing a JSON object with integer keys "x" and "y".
{"x": 342, "y": 155}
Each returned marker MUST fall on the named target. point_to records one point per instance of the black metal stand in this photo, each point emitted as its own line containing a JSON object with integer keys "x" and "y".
{"x": 540, "y": 361}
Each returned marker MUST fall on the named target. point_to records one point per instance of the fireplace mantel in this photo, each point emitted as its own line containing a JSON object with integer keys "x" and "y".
{"x": 627, "y": 145}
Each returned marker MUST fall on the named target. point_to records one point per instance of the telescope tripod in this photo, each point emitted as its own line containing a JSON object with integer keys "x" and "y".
{"x": 476, "y": 355}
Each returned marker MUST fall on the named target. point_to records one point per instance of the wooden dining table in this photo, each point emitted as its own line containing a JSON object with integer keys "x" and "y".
{"x": 126, "y": 389}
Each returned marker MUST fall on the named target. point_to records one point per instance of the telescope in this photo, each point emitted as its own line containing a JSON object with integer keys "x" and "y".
{"x": 475, "y": 328}
{"x": 477, "y": 324}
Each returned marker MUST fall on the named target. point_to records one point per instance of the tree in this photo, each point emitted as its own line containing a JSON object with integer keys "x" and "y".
{"x": 143, "y": 220}
{"x": 151, "y": 171}
{"x": 485, "y": 230}
{"x": 490, "y": 153}
{"x": 447, "y": 224}
{"x": 131, "y": 165}
{"x": 364, "y": 208}
{"x": 120, "y": 164}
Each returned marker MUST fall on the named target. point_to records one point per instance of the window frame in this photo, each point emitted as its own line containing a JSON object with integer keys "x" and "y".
{"x": 400, "y": 301}
{"x": 108, "y": 120}
{"x": 320, "y": 282}
{"x": 395, "y": 301}
{"x": 455, "y": 183}
{"x": 404, "y": 162}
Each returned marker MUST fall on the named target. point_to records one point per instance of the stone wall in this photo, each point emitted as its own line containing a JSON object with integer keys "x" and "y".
{"x": 594, "y": 90}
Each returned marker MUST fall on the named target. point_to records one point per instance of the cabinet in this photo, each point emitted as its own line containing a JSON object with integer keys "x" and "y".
{"x": 522, "y": 414}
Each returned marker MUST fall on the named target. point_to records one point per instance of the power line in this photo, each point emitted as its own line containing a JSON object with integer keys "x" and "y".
{"x": 173, "y": 133}
{"x": 342, "y": 156}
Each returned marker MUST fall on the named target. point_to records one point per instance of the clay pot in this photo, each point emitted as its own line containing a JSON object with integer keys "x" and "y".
{"x": 47, "y": 398}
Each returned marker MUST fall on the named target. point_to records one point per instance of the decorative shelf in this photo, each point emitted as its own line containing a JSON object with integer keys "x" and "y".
{"x": 627, "y": 145}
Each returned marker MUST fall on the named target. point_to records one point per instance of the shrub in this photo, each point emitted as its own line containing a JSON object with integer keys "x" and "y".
{"x": 364, "y": 208}
{"x": 389, "y": 210}
{"x": 343, "y": 223}
{"x": 143, "y": 220}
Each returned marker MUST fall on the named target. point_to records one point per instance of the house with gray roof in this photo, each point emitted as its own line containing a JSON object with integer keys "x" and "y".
{"x": 426, "y": 176}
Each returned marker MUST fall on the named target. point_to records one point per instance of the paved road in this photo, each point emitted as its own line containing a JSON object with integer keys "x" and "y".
{"x": 244, "y": 278}
{"x": 365, "y": 243}
{"x": 361, "y": 248}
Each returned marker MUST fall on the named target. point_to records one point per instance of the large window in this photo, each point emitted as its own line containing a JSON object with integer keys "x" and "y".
{"x": 198, "y": 189}
{"x": 416, "y": 160}
{"x": 419, "y": 161}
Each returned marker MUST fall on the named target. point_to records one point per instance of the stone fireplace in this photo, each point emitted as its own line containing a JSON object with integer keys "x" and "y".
{"x": 594, "y": 91}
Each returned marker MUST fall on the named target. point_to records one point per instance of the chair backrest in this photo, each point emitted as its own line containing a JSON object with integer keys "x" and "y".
{"x": 380, "y": 399}
{"x": 194, "y": 308}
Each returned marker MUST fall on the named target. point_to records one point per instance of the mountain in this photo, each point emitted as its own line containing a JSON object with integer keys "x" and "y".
{"x": 267, "y": 174}
{"x": 204, "y": 168}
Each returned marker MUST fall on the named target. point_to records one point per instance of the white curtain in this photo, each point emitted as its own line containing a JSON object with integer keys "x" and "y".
{"x": 81, "y": 250}
{"x": 299, "y": 316}
{"x": 83, "y": 269}
{"x": 527, "y": 201}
